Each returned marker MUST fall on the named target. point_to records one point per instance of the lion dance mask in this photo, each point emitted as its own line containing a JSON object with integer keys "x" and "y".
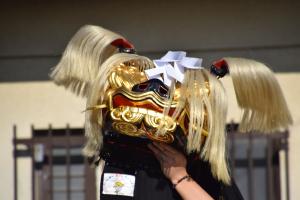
{"x": 132, "y": 100}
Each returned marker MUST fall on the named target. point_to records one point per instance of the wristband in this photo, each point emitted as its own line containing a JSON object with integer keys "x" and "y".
{"x": 187, "y": 177}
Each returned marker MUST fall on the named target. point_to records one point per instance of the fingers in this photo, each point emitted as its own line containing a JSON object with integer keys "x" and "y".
{"x": 166, "y": 149}
{"x": 154, "y": 150}
{"x": 159, "y": 154}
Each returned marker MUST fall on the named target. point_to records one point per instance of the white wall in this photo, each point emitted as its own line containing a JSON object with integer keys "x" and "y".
{"x": 41, "y": 103}
{"x": 24, "y": 104}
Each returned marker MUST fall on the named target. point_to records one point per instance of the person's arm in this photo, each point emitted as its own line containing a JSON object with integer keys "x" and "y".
{"x": 173, "y": 165}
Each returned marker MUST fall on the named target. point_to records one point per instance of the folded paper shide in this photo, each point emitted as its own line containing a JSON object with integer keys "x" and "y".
{"x": 132, "y": 100}
{"x": 172, "y": 67}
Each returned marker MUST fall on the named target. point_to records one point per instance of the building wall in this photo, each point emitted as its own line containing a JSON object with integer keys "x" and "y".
{"x": 40, "y": 103}
{"x": 25, "y": 104}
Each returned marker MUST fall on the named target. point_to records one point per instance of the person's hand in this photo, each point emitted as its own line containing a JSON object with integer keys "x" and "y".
{"x": 172, "y": 162}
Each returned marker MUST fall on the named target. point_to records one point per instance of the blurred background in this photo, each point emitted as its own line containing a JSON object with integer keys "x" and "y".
{"x": 41, "y": 124}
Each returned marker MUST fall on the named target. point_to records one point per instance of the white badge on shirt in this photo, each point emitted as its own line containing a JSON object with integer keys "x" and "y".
{"x": 118, "y": 184}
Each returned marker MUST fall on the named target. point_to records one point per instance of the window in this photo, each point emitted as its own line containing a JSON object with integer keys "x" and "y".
{"x": 59, "y": 169}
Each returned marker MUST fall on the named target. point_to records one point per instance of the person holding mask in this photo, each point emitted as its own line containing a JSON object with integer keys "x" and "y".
{"x": 173, "y": 101}
{"x": 173, "y": 165}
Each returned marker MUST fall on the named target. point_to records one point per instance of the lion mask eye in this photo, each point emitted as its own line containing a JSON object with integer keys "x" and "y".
{"x": 154, "y": 85}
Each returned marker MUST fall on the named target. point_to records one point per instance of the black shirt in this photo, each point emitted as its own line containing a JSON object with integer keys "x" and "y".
{"x": 150, "y": 184}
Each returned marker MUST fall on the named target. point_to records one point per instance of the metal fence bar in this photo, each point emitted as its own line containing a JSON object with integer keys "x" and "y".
{"x": 286, "y": 146}
{"x": 86, "y": 192}
{"x": 50, "y": 161}
{"x": 15, "y": 163}
{"x": 33, "y": 166}
{"x": 250, "y": 168}
{"x": 68, "y": 162}
{"x": 269, "y": 168}
{"x": 267, "y": 172}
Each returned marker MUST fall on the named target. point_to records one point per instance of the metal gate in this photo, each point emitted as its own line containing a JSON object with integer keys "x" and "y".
{"x": 59, "y": 171}
{"x": 259, "y": 164}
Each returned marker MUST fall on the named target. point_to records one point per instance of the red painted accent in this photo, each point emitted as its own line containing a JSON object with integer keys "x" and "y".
{"x": 123, "y": 43}
{"x": 220, "y": 63}
{"x": 120, "y": 100}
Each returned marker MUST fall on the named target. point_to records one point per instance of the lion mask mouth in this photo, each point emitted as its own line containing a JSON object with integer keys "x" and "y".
{"x": 140, "y": 112}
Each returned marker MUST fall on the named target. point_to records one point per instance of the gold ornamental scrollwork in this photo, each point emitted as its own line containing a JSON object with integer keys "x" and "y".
{"x": 136, "y": 115}
{"x": 127, "y": 129}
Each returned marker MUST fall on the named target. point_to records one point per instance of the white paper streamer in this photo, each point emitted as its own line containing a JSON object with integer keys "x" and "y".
{"x": 172, "y": 66}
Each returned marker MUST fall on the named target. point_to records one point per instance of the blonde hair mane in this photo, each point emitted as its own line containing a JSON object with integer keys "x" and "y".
{"x": 83, "y": 56}
{"x": 253, "y": 80}
{"x": 214, "y": 103}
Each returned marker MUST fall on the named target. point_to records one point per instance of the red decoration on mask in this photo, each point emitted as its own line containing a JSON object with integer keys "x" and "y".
{"x": 122, "y": 43}
{"x": 220, "y": 64}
